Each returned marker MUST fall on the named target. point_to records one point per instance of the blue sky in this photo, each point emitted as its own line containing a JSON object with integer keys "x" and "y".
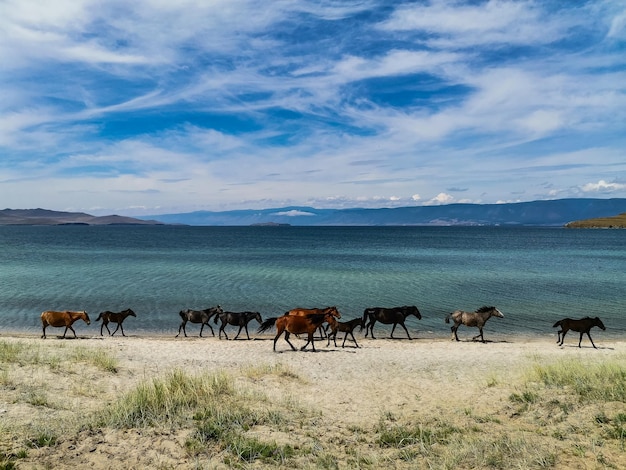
{"x": 157, "y": 106}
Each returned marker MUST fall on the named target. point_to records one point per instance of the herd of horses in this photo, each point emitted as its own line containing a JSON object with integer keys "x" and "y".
{"x": 300, "y": 321}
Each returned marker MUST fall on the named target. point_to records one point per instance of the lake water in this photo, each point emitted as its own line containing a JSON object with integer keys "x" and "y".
{"x": 535, "y": 276}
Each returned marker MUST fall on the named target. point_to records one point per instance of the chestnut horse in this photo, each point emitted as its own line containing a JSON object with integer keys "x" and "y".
{"x": 581, "y": 326}
{"x": 298, "y": 311}
{"x": 297, "y": 325}
{"x": 114, "y": 317}
{"x": 64, "y": 318}
{"x": 198, "y": 316}
{"x": 477, "y": 319}
{"x": 308, "y": 311}
{"x": 395, "y": 315}
{"x": 240, "y": 319}
{"x": 346, "y": 327}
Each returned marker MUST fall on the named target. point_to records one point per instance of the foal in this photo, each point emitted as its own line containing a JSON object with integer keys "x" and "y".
{"x": 346, "y": 327}
{"x": 114, "y": 317}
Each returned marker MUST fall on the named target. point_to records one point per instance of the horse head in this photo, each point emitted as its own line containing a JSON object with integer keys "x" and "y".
{"x": 85, "y": 317}
{"x": 332, "y": 311}
{"x": 598, "y": 322}
{"x": 128, "y": 311}
{"x": 497, "y": 313}
{"x": 413, "y": 310}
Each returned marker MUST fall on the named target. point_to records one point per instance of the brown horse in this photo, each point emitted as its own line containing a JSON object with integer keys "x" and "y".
{"x": 114, "y": 317}
{"x": 346, "y": 327}
{"x": 298, "y": 311}
{"x": 64, "y": 318}
{"x": 477, "y": 319}
{"x": 240, "y": 319}
{"x": 388, "y": 316}
{"x": 581, "y": 326}
{"x": 297, "y": 325}
{"x": 198, "y": 316}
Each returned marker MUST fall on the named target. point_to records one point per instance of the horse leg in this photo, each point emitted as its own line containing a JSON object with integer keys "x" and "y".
{"x": 407, "y": 331}
{"x": 594, "y": 346}
{"x": 118, "y": 327}
{"x": 454, "y": 328}
{"x": 70, "y": 327}
{"x": 247, "y": 334}
{"x": 480, "y": 335}
{"x": 371, "y": 325}
{"x": 240, "y": 328}
{"x": 182, "y": 326}
{"x": 287, "y": 339}
{"x": 311, "y": 340}
{"x": 563, "y": 331}
{"x": 44, "y": 331}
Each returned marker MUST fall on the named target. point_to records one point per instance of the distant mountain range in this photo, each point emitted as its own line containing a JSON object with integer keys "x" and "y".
{"x": 535, "y": 213}
{"x": 48, "y": 217}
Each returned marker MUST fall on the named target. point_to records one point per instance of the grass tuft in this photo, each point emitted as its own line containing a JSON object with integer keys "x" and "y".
{"x": 590, "y": 382}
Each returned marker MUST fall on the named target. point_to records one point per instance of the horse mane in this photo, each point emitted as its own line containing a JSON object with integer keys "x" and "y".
{"x": 484, "y": 308}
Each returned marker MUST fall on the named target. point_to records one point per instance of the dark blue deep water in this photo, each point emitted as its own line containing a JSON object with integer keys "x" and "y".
{"x": 535, "y": 276}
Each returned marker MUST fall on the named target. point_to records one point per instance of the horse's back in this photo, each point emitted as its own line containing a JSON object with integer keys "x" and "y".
{"x": 56, "y": 318}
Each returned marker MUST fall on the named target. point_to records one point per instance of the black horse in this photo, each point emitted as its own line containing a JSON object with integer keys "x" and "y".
{"x": 198, "y": 316}
{"x": 583, "y": 325}
{"x": 114, "y": 317}
{"x": 388, "y": 316}
{"x": 240, "y": 319}
{"x": 346, "y": 327}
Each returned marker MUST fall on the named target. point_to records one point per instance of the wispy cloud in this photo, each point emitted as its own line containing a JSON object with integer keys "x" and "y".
{"x": 154, "y": 106}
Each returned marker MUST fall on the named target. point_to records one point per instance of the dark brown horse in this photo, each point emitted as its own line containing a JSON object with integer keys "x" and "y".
{"x": 114, "y": 317}
{"x": 64, "y": 318}
{"x": 240, "y": 319}
{"x": 297, "y": 325}
{"x": 581, "y": 326}
{"x": 198, "y": 316}
{"x": 388, "y": 316}
{"x": 346, "y": 327}
{"x": 477, "y": 319}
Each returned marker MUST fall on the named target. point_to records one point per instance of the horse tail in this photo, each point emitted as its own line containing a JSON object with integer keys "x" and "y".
{"x": 182, "y": 314}
{"x": 267, "y": 324}
{"x": 366, "y": 313}
{"x": 557, "y": 324}
{"x": 447, "y": 319}
{"x": 215, "y": 317}
{"x": 99, "y": 317}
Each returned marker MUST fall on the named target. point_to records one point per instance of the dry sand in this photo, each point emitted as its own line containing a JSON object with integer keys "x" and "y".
{"x": 351, "y": 389}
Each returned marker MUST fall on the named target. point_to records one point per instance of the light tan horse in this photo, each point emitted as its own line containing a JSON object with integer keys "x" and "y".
{"x": 59, "y": 319}
{"x": 477, "y": 319}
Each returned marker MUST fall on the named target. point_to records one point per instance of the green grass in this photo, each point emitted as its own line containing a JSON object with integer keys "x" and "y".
{"x": 56, "y": 356}
{"x": 590, "y": 382}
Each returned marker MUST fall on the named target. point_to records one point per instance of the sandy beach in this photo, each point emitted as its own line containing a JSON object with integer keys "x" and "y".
{"x": 344, "y": 396}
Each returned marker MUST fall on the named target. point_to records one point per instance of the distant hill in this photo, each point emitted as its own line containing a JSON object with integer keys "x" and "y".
{"x": 48, "y": 217}
{"x": 553, "y": 213}
{"x": 618, "y": 221}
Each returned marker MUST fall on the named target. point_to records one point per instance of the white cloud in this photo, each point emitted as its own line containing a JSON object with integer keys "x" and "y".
{"x": 603, "y": 187}
{"x": 439, "y": 199}
{"x": 294, "y": 213}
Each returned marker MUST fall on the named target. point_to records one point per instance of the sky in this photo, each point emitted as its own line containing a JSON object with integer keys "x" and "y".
{"x": 161, "y": 106}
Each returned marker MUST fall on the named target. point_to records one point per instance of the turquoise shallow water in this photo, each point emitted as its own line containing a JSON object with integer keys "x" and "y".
{"x": 535, "y": 276}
